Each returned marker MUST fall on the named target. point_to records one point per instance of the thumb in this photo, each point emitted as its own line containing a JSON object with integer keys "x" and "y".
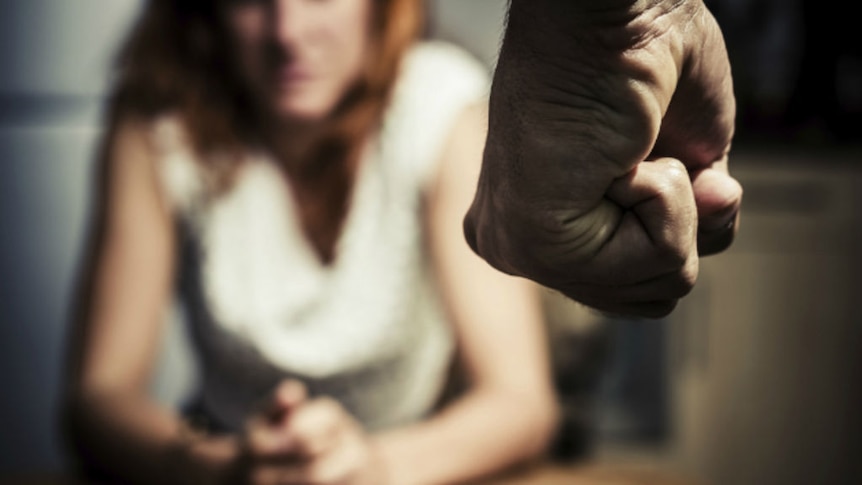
{"x": 264, "y": 436}
{"x": 718, "y": 197}
{"x": 288, "y": 396}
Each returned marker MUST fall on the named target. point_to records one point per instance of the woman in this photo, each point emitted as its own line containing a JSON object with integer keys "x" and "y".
{"x": 302, "y": 167}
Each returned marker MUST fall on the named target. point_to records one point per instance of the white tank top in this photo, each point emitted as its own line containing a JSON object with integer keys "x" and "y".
{"x": 368, "y": 329}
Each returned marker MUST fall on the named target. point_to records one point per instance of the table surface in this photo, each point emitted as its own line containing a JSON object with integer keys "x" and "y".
{"x": 594, "y": 474}
{"x": 544, "y": 474}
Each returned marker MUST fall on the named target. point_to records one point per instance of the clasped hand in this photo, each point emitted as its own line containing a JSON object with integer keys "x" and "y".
{"x": 299, "y": 440}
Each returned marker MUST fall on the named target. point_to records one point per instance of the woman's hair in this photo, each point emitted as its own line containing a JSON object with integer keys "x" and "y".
{"x": 175, "y": 61}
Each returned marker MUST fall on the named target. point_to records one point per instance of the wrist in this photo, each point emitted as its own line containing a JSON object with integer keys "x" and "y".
{"x": 578, "y": 75}
{"x": 611, "y": 25}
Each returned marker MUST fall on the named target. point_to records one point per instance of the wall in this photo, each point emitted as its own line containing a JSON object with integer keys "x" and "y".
{"x": 53, "y": 58}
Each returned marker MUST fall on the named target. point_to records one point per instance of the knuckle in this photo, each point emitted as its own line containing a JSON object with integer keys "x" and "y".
{"x": 501, "y": 247}
{"x": 687, "y": 278}
{"x": 669, "y": 174}
{"x": 485, "y": 236}
{"x": 674, "y": 251}
{"x": 671, "y": 253}
{"x": 675, "y": 238}
{"x": 675, "y": 183}
{"x": 678, "y": 195}
{"x": 675, "y": 171}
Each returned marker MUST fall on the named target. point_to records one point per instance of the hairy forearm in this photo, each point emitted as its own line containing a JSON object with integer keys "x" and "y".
{"x": 129, "y": 437}
{"x": 485, "y": 431}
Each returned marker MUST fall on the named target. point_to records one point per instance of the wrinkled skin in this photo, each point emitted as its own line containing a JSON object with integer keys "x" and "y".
{"x": 605, "y": 169}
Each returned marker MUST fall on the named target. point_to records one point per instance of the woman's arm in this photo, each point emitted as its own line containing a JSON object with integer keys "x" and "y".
{"x": 509, "y": 413}
{"x": 112, "y": 425}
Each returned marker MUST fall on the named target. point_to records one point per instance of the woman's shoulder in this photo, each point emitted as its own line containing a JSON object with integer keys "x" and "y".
{"x": 443, "y": 52}
{"x": 163, "y": 142}
{"x": 438, "y": 82}
{"x": 439, "y": 65}
{"x": 155, "y": 134}
{"x": 167, "y": 132}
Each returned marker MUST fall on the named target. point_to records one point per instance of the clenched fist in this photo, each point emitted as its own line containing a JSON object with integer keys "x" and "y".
{"x": 605, "y": 168}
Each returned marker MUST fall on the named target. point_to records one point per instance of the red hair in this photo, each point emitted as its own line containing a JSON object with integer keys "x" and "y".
{"x": 174, "y": 61}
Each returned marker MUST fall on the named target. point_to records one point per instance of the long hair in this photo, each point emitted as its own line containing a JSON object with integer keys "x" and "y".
{"x": 173, "y": 61}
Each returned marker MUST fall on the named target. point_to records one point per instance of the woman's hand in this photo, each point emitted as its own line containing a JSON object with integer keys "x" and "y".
{"x": 298, "y": 440}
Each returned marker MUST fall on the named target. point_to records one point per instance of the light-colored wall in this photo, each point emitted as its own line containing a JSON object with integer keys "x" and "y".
{"x": 474, "y": 24}
{"x": 53, "y": 55}
{"x": 57, "y": 46}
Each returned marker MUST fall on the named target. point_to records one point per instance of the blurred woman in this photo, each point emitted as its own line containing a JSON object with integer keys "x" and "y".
{"x": 297, "y": 171}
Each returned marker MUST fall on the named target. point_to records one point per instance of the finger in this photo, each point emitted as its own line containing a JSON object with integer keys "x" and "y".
{"x": 670, "y": 286}
{"x": 718, "y": 197}
{"x": 335, "y": 466}
{"x": 288, "y": 395}
{"x": 265, "y": 433}
{"x": 317, "y": 426}
{"x": 657, "y": 233}
{"x": 652, "y": 310}
{"x": 263, "y": 441}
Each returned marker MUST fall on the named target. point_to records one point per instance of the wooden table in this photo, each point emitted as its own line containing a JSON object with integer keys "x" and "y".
{"x": 544, "y": 474}
{"x": 593, "y": 474}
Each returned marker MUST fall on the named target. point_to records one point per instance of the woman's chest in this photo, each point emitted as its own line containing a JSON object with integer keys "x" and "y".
{"x": 259, "y": 273}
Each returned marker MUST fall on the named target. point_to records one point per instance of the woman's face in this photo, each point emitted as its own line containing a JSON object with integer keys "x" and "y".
{"x": 297, "y": 58}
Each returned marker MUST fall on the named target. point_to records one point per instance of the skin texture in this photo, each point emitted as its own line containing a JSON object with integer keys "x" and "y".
{"x": 119, "y": 430}
{"x": 605, "y": 170}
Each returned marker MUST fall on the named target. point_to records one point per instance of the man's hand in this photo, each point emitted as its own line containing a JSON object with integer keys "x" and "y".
{"x": 298, "y": 440}
{"x": 604, "y": 173}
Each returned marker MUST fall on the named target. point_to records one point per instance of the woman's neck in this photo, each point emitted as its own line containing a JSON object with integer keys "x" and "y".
{"x": 291, "y": 142}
